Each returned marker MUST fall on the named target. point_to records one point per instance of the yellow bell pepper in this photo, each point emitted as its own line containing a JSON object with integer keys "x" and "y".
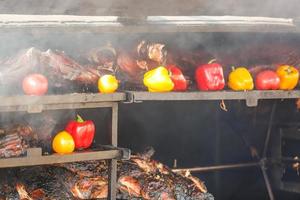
{"x": 108, "y": 84}
{"x": 289, "y": 77}
{"x": 158, "y": 80}
{"x": 240, "y": 79}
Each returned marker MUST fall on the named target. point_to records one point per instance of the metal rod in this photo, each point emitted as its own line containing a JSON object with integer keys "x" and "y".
{"x": 217, "y": 178}
{"x": 267, "y": 182}
{"x": 113, "y": 163}
{"x": 218, "y": 95}
{"x": 218, "y": 167}
{"x": 269, "y": 130}
{"x": 290, "y": 159}
{"x": 112, "y": 191}
{"x": 114, "y": 125}
{"x": 52, "y": 159}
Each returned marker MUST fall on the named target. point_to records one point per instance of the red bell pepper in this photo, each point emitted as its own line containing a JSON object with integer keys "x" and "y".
{"x": 210, "y": 76}
{"x": 180, "y": 83}
{"x": 83, "y": 132}
{"x": 267, "y": 80}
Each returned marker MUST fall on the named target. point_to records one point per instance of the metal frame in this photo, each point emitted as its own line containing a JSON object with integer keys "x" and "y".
{"x": 280, "y": 160}
{"x": 113, "y": 162}
{"x": 251, "y": 98}
{"x": 262, "y": 163}
{"x": 33, "y": 104}
{"x": 36, "y": 104}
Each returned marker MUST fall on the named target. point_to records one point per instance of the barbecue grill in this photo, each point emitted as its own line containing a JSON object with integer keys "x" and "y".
{"x": 214, "y": 27}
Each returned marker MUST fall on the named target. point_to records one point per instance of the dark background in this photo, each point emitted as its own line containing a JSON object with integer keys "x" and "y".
{"x": 201, "y": 134}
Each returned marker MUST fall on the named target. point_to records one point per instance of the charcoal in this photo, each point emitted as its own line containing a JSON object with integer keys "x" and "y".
{"x": 138, "y": 178}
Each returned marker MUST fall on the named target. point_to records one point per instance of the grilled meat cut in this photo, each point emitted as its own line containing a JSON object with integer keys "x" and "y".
{"x": 104, "y": 58}
{"x": 59, "y": 68}
{"x": 138, "y": 178}
{"x": 152, "y": 51}
{"x": 13, "y": 69}
{"x": 12, "y": 145}
{"x": 55, "y": 64}
{"x": 15, "y": 140}
{"x": 139, "y": 58}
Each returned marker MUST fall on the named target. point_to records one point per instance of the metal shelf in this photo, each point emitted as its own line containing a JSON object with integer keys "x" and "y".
{"x": 35, "y": 157}
{"x": 34, "y": 104}
{"x": 251, "y": 97}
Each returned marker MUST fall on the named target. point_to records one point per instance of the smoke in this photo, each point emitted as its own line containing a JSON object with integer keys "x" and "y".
{"x": 270, "y": 8}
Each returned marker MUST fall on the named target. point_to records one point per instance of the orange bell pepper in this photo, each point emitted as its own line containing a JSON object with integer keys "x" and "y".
{"x": 63, "y": 143}
{"x": 289, "y": 77}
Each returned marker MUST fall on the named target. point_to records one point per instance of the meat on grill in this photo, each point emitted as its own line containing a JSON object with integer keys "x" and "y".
{"x": 140, "y": 58}
{"x": 104, "y": 58}
{"x": 59, "y": 67}
{"x": 13, "y": 69}
{"x": 15, "y": 140}
{"x": 138, "y": 178}
{"x": 55, "y": 64}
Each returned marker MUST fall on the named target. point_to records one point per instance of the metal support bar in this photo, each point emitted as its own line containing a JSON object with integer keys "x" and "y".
{"x": 290, "y": 159}
{"x": 114, "y": 125}
{"x": 266, "y": 179}
{"x": 250, "y": 96}
{"x": 264, "y": 154}
{"x": 267, "y": 140}
{"x": 124, "y": 152}
{"x": 218, "y": 167}
{"x": 35, "y": 157}
{"x": 113, "y": 163}
{"x": 112, "y": 191}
